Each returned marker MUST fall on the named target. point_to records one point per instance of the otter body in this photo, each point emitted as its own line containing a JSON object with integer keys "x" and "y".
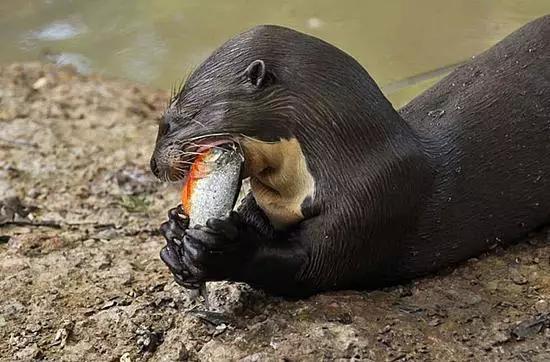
{"x": 347, "y": 192}
{"x": 488, "y": 128}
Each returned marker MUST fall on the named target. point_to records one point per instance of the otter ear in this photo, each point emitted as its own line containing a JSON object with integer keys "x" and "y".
{"x": 256, "y": 73}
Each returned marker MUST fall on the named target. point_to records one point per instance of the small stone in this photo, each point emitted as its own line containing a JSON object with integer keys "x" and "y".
{"x": 434, "y": 322}
{"x": 528, "y": 328}
{"x": 517, "y": 277}
{"x": 31, "y": 352}
{"x": 60, "y": 337}
{"x": 541, "y": 306}
{"x": 40, "y": 83}
{"x": 34, "y": 327}
{"x": 88, "y": 243}
{"x": 125, "y": 357}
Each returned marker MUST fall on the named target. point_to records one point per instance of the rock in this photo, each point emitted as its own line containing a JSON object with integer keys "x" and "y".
{"x": 172, "y": 349}
{"x": 541, "y": 306}
{"x": 220, "y": 329}
{"x": 125, "y": 357}
{"x": 517, "y": 277}
{"x": 33, "y": 327}
{"x": 62, "y": 334}
{"x": 40, "y": 83}
{"x": 529, "y": 327}
{"x": 31, "y": 352}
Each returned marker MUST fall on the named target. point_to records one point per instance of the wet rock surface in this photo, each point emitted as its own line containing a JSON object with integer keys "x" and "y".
{"x": 80, "y": 277}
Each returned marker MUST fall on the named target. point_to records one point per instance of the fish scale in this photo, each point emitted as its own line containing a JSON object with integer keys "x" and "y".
{"x": 211, "y": 189}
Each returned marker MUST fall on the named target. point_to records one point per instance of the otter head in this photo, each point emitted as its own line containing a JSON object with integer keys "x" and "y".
{"x": 298, "y": 106}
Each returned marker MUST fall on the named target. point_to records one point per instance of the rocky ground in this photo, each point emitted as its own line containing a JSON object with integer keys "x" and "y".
{"x": 80, "y": 277}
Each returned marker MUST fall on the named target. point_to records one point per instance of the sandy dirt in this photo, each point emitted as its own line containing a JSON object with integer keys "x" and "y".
{"x": 81, "y": 280}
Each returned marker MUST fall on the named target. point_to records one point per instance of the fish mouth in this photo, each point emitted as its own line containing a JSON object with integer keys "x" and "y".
{"x": 188, "y": 153}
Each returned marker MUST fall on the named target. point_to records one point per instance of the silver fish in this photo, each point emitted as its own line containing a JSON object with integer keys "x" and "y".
{"x": 211, "y": 190}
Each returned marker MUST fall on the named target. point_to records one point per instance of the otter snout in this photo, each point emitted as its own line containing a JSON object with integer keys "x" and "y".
{"x": 170, "y": 165}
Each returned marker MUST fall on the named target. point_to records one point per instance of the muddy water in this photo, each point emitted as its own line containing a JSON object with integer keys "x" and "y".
{"x": 158, "y": 42}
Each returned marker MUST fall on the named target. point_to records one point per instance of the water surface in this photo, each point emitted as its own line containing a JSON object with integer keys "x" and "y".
{"x": 158, "y": 42}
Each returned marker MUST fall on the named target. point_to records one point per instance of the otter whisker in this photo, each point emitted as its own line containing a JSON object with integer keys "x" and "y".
{"x": 208, "y": 135}
{"x": 166, "y": 175}
{"x": 191, "y": 153}
{"x": 207, "y": 145}
{"x": 197, "y": 122}
{"x": 179, "y": 155}
{"x": 257, "y": 140}
{"x": 185, "y": 162}
{"x": 179, "y": 169}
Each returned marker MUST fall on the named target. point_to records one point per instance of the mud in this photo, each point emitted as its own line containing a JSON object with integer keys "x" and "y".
{"x": 80, "y": 277}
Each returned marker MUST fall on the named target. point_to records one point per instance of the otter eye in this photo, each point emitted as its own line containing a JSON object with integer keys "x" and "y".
{"x": 256, "y": 73}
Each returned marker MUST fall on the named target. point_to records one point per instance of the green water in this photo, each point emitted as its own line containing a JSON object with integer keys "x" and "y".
{"x": 158, "y": 42}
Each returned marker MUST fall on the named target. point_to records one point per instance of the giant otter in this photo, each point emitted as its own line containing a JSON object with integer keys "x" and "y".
{"x": 346, "y": 192}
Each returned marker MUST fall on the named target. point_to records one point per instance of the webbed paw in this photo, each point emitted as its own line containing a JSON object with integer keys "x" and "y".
{"x": 215, "y": 251}
{"x": 173, "y": 231}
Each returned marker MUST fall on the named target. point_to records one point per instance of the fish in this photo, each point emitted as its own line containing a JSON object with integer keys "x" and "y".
{"x": 211, "y": 190}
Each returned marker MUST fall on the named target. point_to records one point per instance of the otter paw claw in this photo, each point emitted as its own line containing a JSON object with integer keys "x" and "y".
{"x": 173, "y": 231}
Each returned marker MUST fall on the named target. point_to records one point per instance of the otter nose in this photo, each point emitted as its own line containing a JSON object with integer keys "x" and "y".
{"x": 154, "y": 166}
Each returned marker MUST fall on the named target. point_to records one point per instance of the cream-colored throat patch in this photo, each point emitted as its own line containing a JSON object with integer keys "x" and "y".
{"x": 279, "y": 178}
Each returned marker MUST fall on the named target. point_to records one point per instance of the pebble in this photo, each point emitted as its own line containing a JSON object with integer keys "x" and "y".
{"x": 34, "y": 327}
{"x": 60, "y": 337}
{"x": 541, "y": 306}
{"x": 31, "y": 352}
{"x": 517, "y": 277}
{"x": 220, "y": 329}
{"x": 40, "y": 83}
{"x": 125, "y": 357}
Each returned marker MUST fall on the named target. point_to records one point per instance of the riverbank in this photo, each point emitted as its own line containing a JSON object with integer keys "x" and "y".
{"x": 80, "y": 277}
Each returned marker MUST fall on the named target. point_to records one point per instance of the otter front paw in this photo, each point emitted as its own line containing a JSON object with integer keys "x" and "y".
{"x": 216, "y": 251}
{"x": 174, "y": 232}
